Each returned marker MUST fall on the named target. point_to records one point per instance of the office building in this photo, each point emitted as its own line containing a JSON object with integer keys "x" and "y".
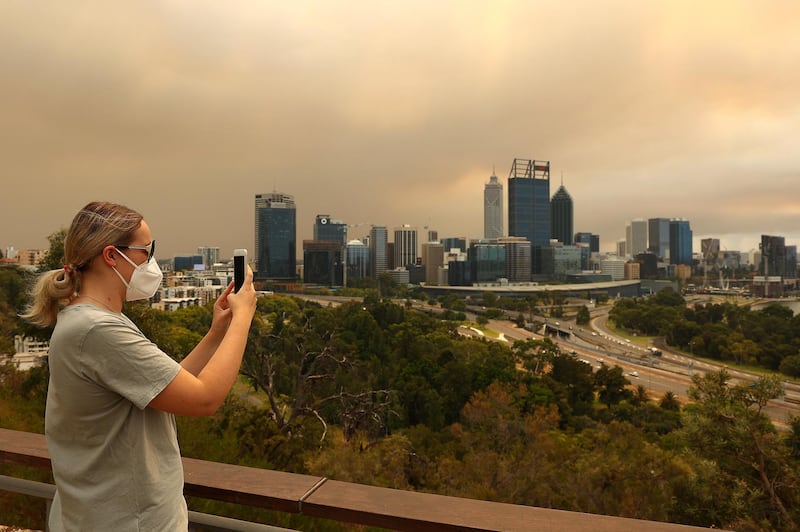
{"x": 432, "y": 259}
{"x": 357, "y": 259}
{"x": 680, "y": 242}
{"x": 658, "y": 237}
{"x": 276, "y": 236}
{"x": 493, "y": 208}
{"x": 330, "y": 230}
{"x": 613, "y": 266}
{"x": 622, "y": 246}
{"x": 487, "y": 260}
{"x": 632, "y": 270}
{"x": 589, "y": 238}
{"x": 559, "y": 260}
{"x": 323, "y": 262}
{"x": 529, "y": 205}
{"x": 210, "y": 256}
{"x": 518, "y": 258}
{"x": 648, "y": 265}
{"x": 405, "y": 246}
{"x": 378, "y": 249}
{"x": 561, "y": 217}
{"x": 459, "y": 242}
{"x": 709, "y": 249}
{"x": 459, "y": 272}
{"x": 773, "y": 256}
{"x": 636, "y": 237}
{"x": 330, "y": 237}
{"x": 187, "y": 263}
{"x": 791, "y": 262}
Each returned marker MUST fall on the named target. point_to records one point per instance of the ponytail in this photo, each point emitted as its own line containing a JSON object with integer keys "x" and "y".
{"x": 52, "y": 290}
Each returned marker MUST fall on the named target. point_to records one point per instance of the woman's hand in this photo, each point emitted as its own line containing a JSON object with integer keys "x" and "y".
{"x": 221, "y": 318}
{"x": 243, "y": 302}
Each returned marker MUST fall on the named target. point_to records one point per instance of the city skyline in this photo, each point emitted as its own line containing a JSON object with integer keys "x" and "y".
{"x": 391, "y": 115}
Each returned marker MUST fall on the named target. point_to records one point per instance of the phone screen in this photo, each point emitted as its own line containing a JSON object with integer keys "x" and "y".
{"x": 239, "y": 260}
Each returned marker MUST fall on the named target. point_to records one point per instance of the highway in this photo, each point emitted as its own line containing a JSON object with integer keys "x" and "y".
{"x": 596, "y": 344}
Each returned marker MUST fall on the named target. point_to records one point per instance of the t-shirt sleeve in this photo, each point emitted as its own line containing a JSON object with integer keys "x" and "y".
{"x": 120, "y": 358}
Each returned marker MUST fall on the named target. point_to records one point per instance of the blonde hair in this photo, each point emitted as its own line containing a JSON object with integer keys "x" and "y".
{"x": 97, "y": 225}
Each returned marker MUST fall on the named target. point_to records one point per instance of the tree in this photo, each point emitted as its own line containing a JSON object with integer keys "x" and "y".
{"x": 583, "y": 317}
{"x": 611, "y": 383}
{"x": 54, "y": 258}
{"x": 669, "y": 401}
{"x": 13, "y": 298}
{"x": 723, "y": 425}
{"x": 790, "y": 366}
{"x": 534, "y": 355}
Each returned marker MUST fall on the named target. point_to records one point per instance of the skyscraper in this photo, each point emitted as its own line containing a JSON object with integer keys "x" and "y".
{"x": 328, "y": 229}
{"x": 433, "y": 259}
{"x": 636, "y": 237}
{"x": 773, "y": 256}
{"x": 591, "y": 239}
{"x": 405, "y": 246}
{"x": 561, "y": 216}
{"x": 529, "y": 205}
{"x": 493, "y": 208}
{"x": 378, "y": 248}
{"x": 210, "y": 256}
{"x": 658, "y": 237}
{"x": 323, "y": 262}
{"x": 357, "y": 260}
{"x": 680, "y": 242}
{"x": 324, "y": 256}
{"x": 276, "y": 236}
{"x": 518, "y": 258}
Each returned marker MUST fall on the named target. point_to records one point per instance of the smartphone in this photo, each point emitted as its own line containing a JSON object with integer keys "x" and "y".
{"x": 239, "y": 267}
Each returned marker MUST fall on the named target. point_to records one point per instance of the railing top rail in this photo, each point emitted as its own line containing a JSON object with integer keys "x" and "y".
{"x": 353, "y": 503}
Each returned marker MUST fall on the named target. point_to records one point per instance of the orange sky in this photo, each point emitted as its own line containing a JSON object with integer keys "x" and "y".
{"x": 396, "y": 112}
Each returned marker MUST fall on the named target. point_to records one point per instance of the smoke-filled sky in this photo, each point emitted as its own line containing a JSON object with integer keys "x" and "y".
{"x": 381, "y": 112}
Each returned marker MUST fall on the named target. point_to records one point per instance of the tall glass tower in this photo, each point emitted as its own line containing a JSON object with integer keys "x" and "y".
{"x": 529, "y": 205}
{"x": 561, "y": 216}
{"x": 276, "y": 236}
{"x": 773, "y": 256}
{"x": 680, "y": 242}
{"x": 378, "y": 246}
{"x": 658, "y": 237}
{"x": 357, "y": 260}
{"x": 493, "y": 208}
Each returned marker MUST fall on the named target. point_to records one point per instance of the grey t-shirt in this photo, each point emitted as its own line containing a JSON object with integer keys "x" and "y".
{"x": 116, "y": 463}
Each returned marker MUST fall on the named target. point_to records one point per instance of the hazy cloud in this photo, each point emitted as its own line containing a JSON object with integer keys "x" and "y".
{"x": 379, "y": 112}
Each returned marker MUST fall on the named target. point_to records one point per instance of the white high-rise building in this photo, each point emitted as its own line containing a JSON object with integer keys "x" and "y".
{"x": 636, "y": 237}
{"x": 493, "y": 208}
{"x": 405, "y": 246}
{"x": 210, "y": 256}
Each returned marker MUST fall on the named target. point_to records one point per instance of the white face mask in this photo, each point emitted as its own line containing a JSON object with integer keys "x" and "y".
{"x": 145, "y": 279}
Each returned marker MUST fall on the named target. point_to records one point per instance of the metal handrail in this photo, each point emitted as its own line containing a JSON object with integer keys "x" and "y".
{"x": 209, "y": 522}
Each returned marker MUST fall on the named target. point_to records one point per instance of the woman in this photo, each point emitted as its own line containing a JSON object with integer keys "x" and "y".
{"x": 112, "y": 397}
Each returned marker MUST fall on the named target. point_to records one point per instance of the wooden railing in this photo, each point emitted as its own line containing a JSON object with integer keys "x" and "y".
{"x": 352, "y": 503}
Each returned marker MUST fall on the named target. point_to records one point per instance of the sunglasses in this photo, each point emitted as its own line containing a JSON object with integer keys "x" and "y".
{"x": 149, "y": 248}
